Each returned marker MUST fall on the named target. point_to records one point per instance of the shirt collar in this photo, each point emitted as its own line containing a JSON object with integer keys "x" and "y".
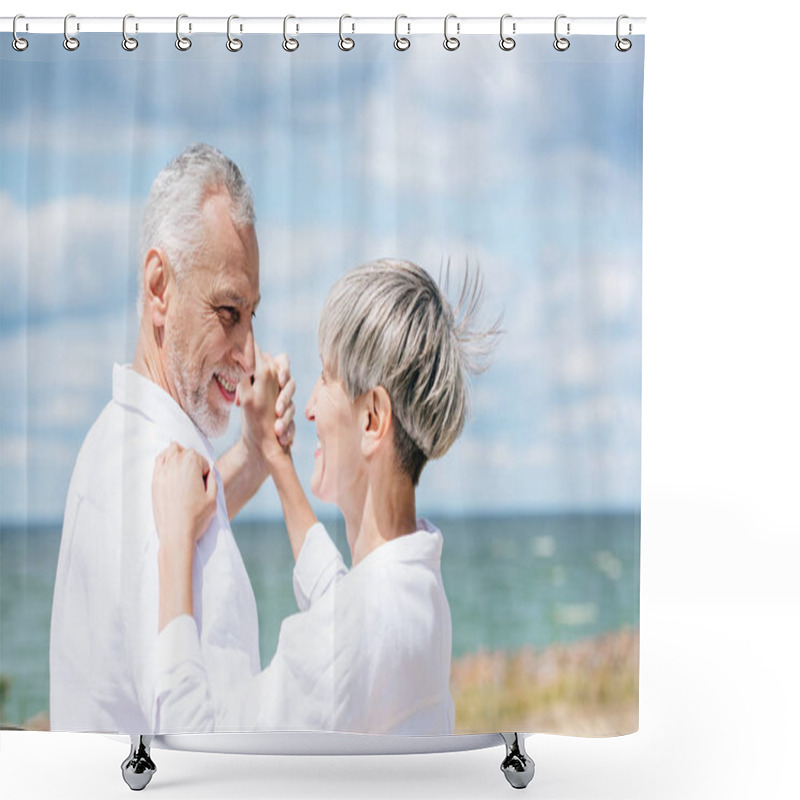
{"x": 140, "y": 394}
{"x": 425, "y": 545}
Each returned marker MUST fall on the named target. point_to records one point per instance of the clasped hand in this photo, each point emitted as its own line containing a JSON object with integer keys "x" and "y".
{"x": 266, "y": 399}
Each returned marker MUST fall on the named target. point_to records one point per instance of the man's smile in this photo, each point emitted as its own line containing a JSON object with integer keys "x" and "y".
{"x": 227, "y": 388}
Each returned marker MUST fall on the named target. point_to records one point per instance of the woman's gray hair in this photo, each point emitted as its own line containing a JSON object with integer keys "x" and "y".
{"x": 173, "y": 215}
{"x": 387, "y": 323}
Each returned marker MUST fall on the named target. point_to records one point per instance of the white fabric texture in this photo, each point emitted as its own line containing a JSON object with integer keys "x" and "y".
{"x": 369, "y": 652}
{"x": 105, "y": 606}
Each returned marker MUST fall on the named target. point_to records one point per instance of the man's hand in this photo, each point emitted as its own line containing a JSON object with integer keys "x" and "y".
{"x": 267, "y": 402}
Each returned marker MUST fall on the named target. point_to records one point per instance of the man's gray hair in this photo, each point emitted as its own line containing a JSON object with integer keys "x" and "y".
{"x": 173, "y": 214}
{"x": 387, "y": 323}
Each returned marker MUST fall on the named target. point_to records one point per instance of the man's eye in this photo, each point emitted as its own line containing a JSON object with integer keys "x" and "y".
{"x": 229, "y": 314}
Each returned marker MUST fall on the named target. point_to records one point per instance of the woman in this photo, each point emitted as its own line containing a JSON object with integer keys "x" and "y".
{"x": 369, "y": 651}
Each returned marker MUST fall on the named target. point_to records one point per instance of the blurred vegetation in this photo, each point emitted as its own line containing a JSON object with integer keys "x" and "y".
{"x": 38, "y": 722}
{"x": 5, "y": 686}
{"x": 585, "y": 688}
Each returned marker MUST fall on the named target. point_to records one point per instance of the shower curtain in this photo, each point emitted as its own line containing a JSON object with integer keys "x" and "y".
{"x": 513, "y": 171}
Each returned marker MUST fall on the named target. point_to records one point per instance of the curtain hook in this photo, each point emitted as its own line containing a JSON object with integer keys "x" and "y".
{"x": 507, "y": 42}
{"x": 400, "y": 42}
{"x": 623, "y": 45}
{"x": 70, "y": 42}
{"x": 289, "y": 45}
{"x": 345, "y": 43}
{"x": 561, "y": 43}
{"x": 129, "y": 43}
{"x": 181, "y": 42}
{"x": 451, "y": 42}
{"x": 233, "y": 44}
{"x": 19, "y": 44}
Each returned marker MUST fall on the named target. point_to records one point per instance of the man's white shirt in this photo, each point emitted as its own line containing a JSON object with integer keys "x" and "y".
{"x": 104, "y": 624}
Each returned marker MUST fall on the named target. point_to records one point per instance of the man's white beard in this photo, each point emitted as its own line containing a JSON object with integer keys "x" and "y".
{"x": 193, "y": 388}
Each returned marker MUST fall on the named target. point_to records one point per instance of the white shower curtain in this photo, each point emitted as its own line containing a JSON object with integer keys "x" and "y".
{"x": 523, "y": 167}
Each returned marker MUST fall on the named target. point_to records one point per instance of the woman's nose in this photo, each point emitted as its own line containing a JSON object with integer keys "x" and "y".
{"x": 312, "y": 403}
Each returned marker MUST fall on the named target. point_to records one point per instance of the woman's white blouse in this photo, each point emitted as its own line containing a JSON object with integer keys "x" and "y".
{"x": 369, "y": 651}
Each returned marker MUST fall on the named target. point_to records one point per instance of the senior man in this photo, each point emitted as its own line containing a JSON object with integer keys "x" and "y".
{"x": 198, "y": 293}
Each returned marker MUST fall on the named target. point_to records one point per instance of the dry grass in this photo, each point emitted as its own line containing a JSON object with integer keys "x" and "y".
{"x": 586, "y": 688}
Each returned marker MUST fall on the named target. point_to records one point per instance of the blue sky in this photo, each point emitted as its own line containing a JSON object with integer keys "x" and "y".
{"x": 527, "y": 163}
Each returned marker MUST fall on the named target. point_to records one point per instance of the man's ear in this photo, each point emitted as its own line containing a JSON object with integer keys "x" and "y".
{"x": 376, "y": 416}
{"x": 157, "y": 279}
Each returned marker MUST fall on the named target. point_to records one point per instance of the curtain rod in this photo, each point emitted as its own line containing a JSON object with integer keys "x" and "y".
{"x": 461, "y": 26}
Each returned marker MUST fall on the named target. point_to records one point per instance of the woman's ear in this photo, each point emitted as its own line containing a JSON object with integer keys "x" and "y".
{"x": 157, "y": 274}
{"x": 376, "y": 415}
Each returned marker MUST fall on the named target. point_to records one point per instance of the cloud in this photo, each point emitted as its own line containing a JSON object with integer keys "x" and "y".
{"x": 54, "y": 381}
{"x": 67, "y": 256}
{"x": 608, "y": 415}
{"x": 34, "y": 476}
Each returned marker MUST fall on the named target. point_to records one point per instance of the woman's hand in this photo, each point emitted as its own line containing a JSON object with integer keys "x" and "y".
{"x": 184, "y": 496}
{"x": 184, "y": 503}
{"x": 268, "y": 419}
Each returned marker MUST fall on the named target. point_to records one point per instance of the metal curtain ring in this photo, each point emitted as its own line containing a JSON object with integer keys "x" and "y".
{"x": 451, "y": 42}
{"x": 19, "y": 44}
{"x": 233, "y": 44}
{"x": 400, "y": 42}
{"x": 623, "y": 45}
{"x": 181, "y": 42}
{"x": 128, "y": 42}
{"x": 345, "y": 42}
{"x": 506, "y": 42}
{"x": 289, "y": 45}
{"x": 561, "y": 43}
{"x": 70, "y": 42}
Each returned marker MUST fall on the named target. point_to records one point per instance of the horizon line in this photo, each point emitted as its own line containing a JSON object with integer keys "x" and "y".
{"x": 560, "y": 511}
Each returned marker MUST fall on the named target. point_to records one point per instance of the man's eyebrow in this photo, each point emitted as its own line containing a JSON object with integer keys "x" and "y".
{"x": 232, "y": 298}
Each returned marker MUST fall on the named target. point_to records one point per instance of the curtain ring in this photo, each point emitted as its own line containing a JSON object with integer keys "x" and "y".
{"x": 70, "y": 42}
{"x": 345, "y": 42}
{"x": 289, "y": 45}
{"x": 623, "y": 45}
{"x": 506, "y": 42}
{"x": 451, "y": 42}
{"x": 128, "y": 42}
{"x": 233, "y": 44}
{"x": 400, "y": 42}
{"x": 19, "y": 44}
{"x": 561, "y": 43}
{"x": 181, "y": 42}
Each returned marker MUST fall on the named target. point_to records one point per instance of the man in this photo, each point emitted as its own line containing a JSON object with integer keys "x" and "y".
{"x": 199, "y": 290}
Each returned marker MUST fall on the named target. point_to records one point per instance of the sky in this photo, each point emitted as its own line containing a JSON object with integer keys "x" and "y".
{"x": 526, "y": 164}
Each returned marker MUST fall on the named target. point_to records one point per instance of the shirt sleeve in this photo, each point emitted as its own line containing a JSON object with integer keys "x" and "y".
{"x": 182, "y": 698}
{"x": 319, "y": 565}
{"x": 296, "y": 691}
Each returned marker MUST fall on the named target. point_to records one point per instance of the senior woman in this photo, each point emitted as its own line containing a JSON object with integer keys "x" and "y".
{"x": 369, "y": 650}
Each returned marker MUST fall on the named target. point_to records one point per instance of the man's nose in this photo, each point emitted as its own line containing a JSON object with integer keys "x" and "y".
{"x": 247, "y": 353}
